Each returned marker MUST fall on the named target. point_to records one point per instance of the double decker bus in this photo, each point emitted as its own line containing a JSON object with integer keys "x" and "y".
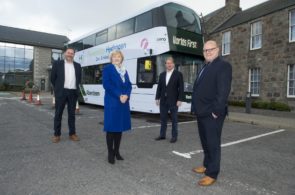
{"x": 146, "y": 40}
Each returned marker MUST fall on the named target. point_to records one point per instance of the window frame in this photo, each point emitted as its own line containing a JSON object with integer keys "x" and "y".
{"x": 291, "y": 26}
{"x": 251, "y": 35}
{"x": 288, "y": 82}
{"x": 223, "y": 43}
{"x": 153, "y": 71}
{"x": 250, "y": 81}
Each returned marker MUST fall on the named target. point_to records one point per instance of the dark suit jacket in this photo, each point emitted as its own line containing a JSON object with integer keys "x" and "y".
{"x": 211, "y": 90}
{"x": 173, "y": 92}
{"x": 58, "y": 77}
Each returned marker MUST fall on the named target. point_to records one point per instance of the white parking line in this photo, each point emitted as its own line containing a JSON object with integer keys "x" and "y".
{"x": 189, "y": 154}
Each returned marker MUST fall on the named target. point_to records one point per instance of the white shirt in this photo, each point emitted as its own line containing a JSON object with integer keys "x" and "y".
{"x": 70, "y": 76}
{"x": 168, "y": 75}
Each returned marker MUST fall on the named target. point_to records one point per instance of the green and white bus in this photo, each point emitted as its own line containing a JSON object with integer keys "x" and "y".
{"x": 146, "y": 40}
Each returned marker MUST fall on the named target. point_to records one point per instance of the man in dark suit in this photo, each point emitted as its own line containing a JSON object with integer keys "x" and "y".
{"x": 65, "y": 79}
{"x": 169, "y": 96}
{"x": 209, "y": 103}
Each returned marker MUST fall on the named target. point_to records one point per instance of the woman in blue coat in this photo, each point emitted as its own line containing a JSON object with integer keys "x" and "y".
{"x": 117, "y": 117}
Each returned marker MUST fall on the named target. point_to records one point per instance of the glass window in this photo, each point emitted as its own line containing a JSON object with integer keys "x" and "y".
{"x": 146, "y": 72}
{"x": 189, "y": 66}
{"x": 2, "y": 51}
{"x": 101, "y": 37}
{"x": 29, "y": 54}
{"x": 89, "y": 42}
{"x": 2, "y": 65}
{"x": 226, "y": 36}
{"x": 28, "y": 66}
{"x": 254, "y": 81}
{"x": 9, "y": 64}
{"x": 143, "y": 21}
{"x": 9, "y": 51}
{"x": 88, "y": 75}
{"x": 19, "y": 64}
{"x": 16, "y": 63}
{"x": 56, "y": 55}
{"x": 181, "y": 17}
{"x": 291, "y": 81}
{"x": 112, "y": 33}
{"x": 19, "y": 52}
{"x": 92, "y": 74}
{"x": 125, "y": 28}
{"x": 256, "y": 35}
{"x": 292, "y": 25}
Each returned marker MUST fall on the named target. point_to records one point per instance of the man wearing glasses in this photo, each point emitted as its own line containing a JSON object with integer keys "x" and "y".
{"x": 209, "y": 103}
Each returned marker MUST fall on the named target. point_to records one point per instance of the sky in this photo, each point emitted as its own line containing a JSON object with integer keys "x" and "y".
{"x": 76, "y": 18}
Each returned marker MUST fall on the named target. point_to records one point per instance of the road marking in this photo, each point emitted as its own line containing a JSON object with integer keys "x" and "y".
{"x": 159, "y": 125}
{"x": 189, "y": 154}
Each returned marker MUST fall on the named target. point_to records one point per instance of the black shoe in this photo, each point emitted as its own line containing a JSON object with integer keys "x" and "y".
{"x": 173, "y": 140}
{"x": 160, "y": 138}
{"x": 111, "y": 158}
{"x": 119, "y": 157}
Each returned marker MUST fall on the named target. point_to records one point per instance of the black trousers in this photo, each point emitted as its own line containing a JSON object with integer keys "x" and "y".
{"x": 164, "y": 108}
{"x": 210, "y": 134}
{"x": 113, "y": 142}
{"x": 70, "y": 98}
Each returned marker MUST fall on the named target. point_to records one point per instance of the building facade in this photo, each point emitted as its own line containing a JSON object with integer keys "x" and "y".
{"x": 260, "y": 44}
{"x": 27, "y": 56}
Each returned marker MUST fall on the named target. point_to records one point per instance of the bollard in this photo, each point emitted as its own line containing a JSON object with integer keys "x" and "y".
{"x": 38, "y": 101}
{"x": 77, "y": 108}
{"x": 248, "y": 103}
{"x": 30, "y": 100}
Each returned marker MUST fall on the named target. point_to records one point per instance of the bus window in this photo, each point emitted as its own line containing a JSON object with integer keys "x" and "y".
{"x": 89, "y": 41}
{"x": 181, "y": 17}
{"x": 92, "y": 74}
{"x": 88, "y": 75}
{"x": 101, "y": 37}
{"x": 98, "y": 74}
{"x": 112, "y": 33}
{"x": 145, "y": 72}
{"x": 188, "y": 65}
{"x": 143, "y": 22}
{"x": 125, "y": 28}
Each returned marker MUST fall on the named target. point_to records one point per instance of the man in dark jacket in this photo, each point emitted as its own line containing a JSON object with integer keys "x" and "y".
{"x": 65, "y": 79}
{"x": 209, "y": 103}
{"x": 169, "y": 96}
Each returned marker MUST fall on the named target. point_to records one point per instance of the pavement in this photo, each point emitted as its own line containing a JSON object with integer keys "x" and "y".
{"x": 257, "y": 155}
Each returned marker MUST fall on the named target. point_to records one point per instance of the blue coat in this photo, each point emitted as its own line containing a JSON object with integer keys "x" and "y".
{"x": 116, "y": 115}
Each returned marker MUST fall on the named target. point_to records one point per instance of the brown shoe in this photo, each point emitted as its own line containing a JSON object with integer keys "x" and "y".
{"x": 74, "y": 138}
{"x": 199, "y": 170}
{"x": 206, "y": 181}
{"x": 55, "y": 139}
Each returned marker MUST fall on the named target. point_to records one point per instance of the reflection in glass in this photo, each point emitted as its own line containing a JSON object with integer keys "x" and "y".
{"x": 189, "y": 66}
{"x": 182, "y": 17}
{"x": 143, "y": 21}
{"x": 125, "y": 28}
{"x": 16, "y": 63}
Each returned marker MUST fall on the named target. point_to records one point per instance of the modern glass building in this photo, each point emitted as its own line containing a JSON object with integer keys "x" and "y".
{"x": 16, "y": 63}
{"x": 27, "y": 55}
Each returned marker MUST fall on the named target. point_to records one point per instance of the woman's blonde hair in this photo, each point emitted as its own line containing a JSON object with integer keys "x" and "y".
{"x": 117, "y": 52}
